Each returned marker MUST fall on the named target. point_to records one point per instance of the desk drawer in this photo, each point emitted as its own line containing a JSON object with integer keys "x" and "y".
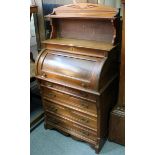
{"x": 75, "y": 116}
{"x": 67, "y": 90}
{"x": 70, "y": 127}
{"x": 71, "y": 101}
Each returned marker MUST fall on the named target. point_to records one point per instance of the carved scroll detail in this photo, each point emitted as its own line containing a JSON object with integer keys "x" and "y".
{"x": 84, "y": 6}
{"x": 86, "y": 9}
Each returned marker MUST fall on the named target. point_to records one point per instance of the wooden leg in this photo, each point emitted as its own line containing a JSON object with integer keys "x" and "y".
{"x": 97, "y": 151}
{"x": 99, "y": 146}
{"x": 47, "y": 126}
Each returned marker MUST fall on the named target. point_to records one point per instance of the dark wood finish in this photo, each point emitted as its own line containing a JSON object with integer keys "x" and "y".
{"x": 117, "y": 118}
{"x": 78, "y": 75}
{"x": 117, "y": 125}
{"x": 121, "y": 99}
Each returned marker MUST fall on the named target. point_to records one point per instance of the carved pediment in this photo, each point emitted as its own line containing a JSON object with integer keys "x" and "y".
{"x": 86, "y": 9}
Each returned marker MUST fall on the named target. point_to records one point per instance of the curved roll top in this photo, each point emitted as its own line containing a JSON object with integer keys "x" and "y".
{"x": 69, "y": 69}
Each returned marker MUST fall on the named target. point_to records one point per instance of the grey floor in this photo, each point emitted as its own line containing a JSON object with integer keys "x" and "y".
{"x": 51, "y": 142}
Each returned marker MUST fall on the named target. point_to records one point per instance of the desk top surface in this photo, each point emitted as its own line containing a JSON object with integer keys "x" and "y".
{"x": 98, "y": 45}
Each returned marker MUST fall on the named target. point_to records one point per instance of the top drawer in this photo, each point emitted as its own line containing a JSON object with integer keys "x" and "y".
{"x": 72, "y": 69}
{"x": 70, "y": 91}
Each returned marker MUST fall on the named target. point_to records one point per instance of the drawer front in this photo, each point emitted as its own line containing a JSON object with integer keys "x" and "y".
{"x": 68, "y": 90}
{"x": 71, "y": 127}
{"x": 83, "y": 119}
{"x": 68, "y": 100}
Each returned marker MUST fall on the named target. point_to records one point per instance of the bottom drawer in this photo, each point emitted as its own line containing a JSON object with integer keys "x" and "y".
{"x": 71, "y": 128}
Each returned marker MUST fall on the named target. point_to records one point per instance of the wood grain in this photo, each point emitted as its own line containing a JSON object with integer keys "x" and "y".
{"x": 98, "y": 45}
{"x": 78, "y": 72}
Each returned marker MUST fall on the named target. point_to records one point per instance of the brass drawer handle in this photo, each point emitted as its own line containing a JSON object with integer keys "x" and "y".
{"x": 84, "y": 85}
{"x": 44, "y": 75}
{"x": 85, "y": 133}
{"x": 72, "y": 48}
{"x": 55, "y": 121}
{"x": 84, "y": 105}
{"x": 53, "y": 109}
{"x": 49, "y": 85}
{"x": 85, "y": 120}
{"x": 51, "y": 95}
{"x": 84, "y": 94}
